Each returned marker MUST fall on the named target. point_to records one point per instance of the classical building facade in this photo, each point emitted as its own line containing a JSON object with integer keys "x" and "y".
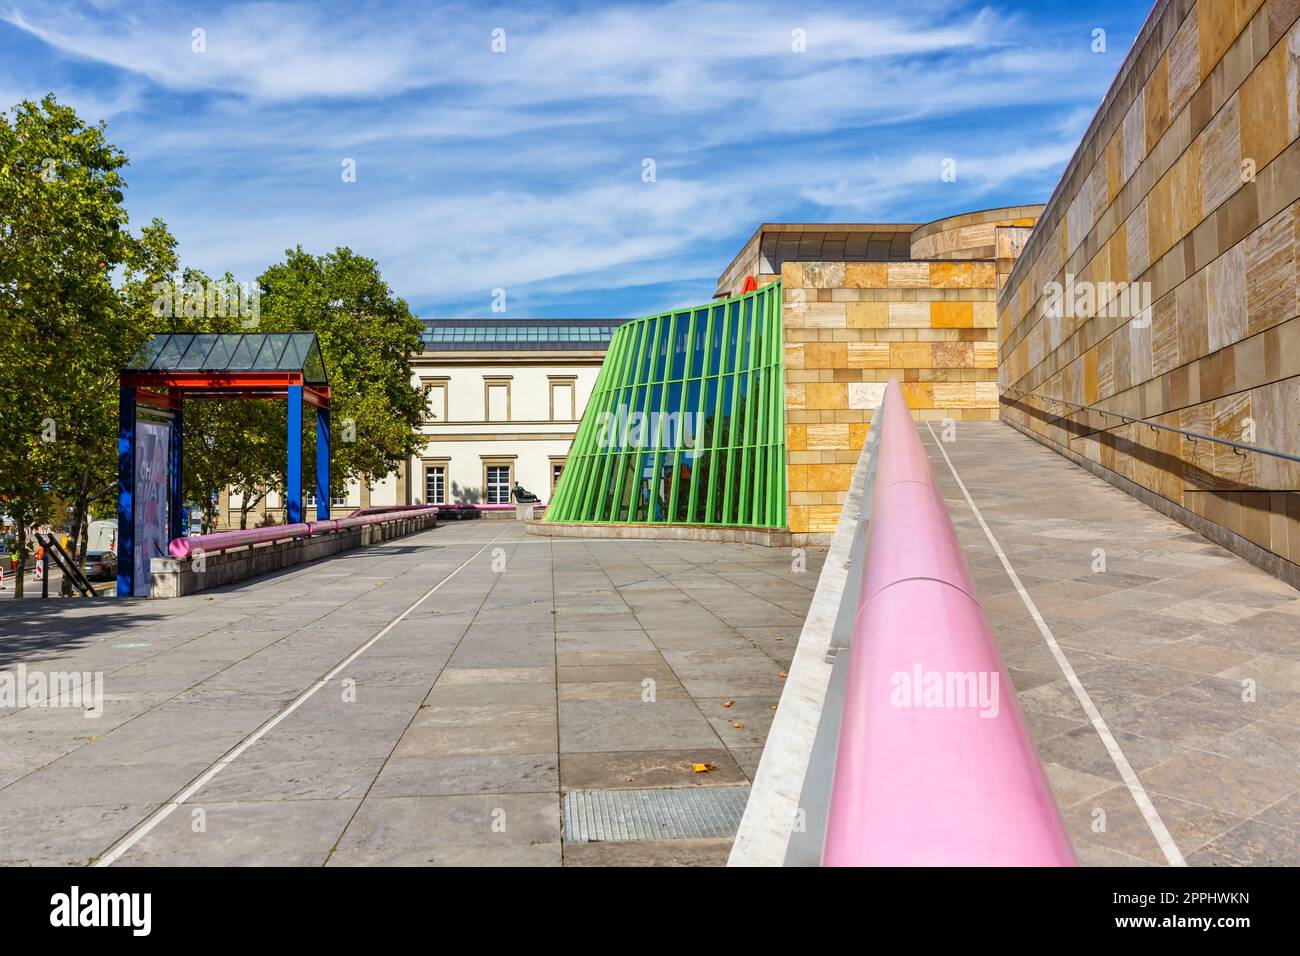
{"x": 503, "y": 398}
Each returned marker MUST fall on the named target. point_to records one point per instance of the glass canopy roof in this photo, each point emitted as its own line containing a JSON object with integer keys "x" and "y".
{"x": 233, "y": 352}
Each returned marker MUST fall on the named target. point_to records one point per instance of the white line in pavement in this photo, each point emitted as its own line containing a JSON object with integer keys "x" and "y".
{"x": 114, "y": 853}
{"x": 1139, "y": 793}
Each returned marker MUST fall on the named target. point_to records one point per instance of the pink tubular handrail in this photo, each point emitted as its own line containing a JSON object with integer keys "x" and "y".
{"x": 934, "y": 765}
{"x": 224, "y": 540}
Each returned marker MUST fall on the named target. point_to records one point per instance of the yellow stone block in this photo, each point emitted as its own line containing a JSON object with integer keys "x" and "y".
{"x": 1264, "y": 118}
{"x": 826, "y": 395}
{"x": 796, "y": 437}
{"x": 823, "y": 518}
{"x": 798, "y": 477}
{"x": 829, "y": 477}
{"x": 984, "y": 275}
{"x": 908, "y": 275}
{"x": 868, "y": 315}
{"x": 952, "y": 315}
{"x": 951, "y": 275}
{"x": 795, "y": 396}
{"x": 825, "y": 355}
{"x": 909, "y": 315}
{"x": 797, "y": 518}
{"x": 858, "y": 435}
{"x": 918, "y": 394}
{"x": 954, "y": 395}
{"x": 986, "y": 315}
{"x": 794, "y": 355}
{"x": 909, "y": 355}
{"x": 865, "y": 275}
{"x": 986, "y": 354}
{"x": 828, "y": 437}
{"x": 868, "y": 355}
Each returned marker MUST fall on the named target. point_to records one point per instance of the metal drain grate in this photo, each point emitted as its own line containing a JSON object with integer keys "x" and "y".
{"x": 686, "y": 813}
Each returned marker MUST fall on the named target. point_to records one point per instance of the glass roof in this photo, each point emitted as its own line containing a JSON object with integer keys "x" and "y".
{"x": 558, "y": 334}
{"x": 233, "y": 352}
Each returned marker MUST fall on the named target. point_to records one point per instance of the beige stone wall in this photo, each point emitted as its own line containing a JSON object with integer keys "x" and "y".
{"x": 849, "y": 328}
{"x": 1188, "y": 180}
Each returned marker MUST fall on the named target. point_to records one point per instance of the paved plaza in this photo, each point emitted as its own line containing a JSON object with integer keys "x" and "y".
{"x": 430, "y": 700}
{"x": 540, "y": 664}
{"x": 1163, "y": 641}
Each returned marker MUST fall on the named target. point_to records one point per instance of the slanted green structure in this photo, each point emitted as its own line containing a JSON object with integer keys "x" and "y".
{"x": 686, "y": 424}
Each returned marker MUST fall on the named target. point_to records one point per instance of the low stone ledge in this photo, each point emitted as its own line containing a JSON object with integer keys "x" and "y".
{"x": 177, "y": 577}
{"x": 765, "y": 537}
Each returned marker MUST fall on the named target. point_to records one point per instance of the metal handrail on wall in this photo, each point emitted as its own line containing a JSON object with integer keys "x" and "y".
{"x": 934, "y": 765}
{"x": 1238, "y": 447}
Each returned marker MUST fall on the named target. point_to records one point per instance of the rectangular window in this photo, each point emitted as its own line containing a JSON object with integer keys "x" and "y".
{"x": 435, "y": 485}
{"x": 309, "y": 499}
{"x": 557, "y": 469}
{"x": 563, "y": 408}
{"x": 498, "y": 402}
{"x": 435, "y": 402}
{"x": 498, "y": 484}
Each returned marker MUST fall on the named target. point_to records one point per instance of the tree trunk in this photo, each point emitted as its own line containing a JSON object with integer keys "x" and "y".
{"x": 79, "y": 510}
{"x": 20, "y": 520}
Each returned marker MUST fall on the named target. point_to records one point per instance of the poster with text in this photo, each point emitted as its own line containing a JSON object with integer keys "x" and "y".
{"x": 151, "y": 520}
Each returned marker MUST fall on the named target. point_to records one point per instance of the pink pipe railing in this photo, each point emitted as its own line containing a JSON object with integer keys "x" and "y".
{"x": 224, "y": 540}
{"x": 934, "y": 765}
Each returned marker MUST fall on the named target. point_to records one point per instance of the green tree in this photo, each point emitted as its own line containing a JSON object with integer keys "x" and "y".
{"x": 66, "y": 327}
{"x": 367, "y": 337}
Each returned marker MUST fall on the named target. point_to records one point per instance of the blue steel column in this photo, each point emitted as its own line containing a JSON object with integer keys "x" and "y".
{"x": 322, "y": 464}
{"x": 293, "y": 470}
{"x": 175, "y": 485}
{"x": 125, "y": 490}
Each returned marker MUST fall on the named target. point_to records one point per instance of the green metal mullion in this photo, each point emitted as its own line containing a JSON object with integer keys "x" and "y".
{"x": 600, "y": 398}
{"x": 779, "y": 515}
{"x": 759, "y": 438}
{"x": 619, "y": 460}
{"x": 659, "y": 422}
{"x": 744, "y": 513}
{"x": 699, "y": 418}
{"x": 598, "y": 458}
{"x": 717, "y": 414}
{"x": 686, "y": 391}
{"x": 639, "y": 454}
{"x": 728, "y": 509}
{"x": 562, "y": 490}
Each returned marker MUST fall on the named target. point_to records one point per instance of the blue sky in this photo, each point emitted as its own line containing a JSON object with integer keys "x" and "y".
{"x": 522, "y": 169}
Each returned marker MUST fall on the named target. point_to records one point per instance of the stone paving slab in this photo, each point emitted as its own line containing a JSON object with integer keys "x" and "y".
{"x": 1162, "y": 636}
{"x": 585, "y": 663}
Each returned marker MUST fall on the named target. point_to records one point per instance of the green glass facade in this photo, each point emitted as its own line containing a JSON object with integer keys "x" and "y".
{"x": 686, "y": 423}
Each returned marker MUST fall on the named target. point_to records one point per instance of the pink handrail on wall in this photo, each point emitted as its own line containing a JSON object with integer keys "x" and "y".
{"x": 934, "y": 765}
{"x": 223, "y": 540}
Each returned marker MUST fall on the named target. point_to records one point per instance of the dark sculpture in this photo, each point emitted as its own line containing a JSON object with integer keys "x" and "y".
{"x": 523, "y": 496}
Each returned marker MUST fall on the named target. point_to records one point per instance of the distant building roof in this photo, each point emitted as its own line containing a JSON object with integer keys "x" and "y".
{"x": 554, "y": 335}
